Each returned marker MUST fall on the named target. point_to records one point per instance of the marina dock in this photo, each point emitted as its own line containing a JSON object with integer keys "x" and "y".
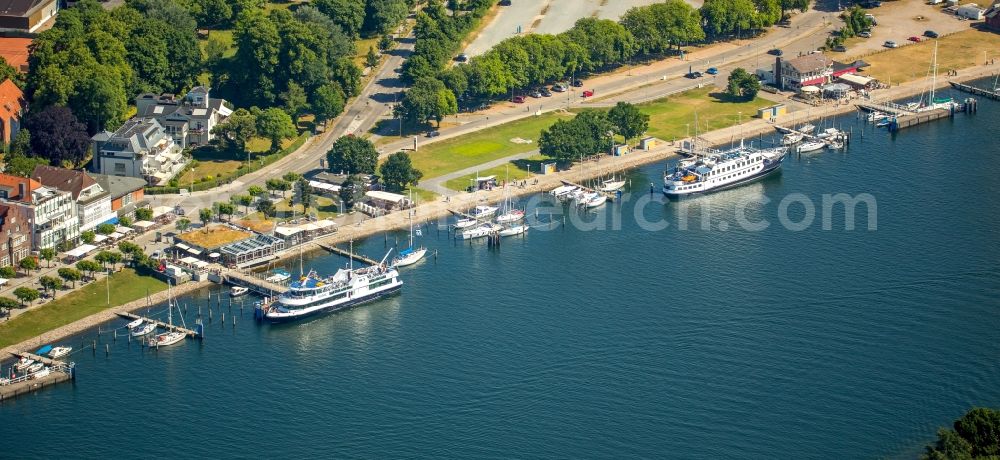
{"x": 255, "y": 283}
{"x": 59, "y": 372}
{"x": 189, "y": 332}
{"x": 995, "y": 95}
{"x": 890, "y": 108}
{"x": 360, "y": 258}
{"x": 610, "y": 195}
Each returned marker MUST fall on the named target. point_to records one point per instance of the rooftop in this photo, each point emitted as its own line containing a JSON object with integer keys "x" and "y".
{"x": 19, "y": 7}
{"x": 118, "y": 186}
{"x": 15, "y": 51}
{"x": 68, "y": 180}
{"x": 11, "y": 100}
{"x": 12, "y": 185}
{"x": 213, "y": 237}
{"x": 810, "y": 63}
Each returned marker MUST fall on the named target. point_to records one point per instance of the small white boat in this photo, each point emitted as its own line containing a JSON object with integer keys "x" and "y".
{"x": 882, "y": 123}
{"x": 514, "y": 230}
{"x": 792, "y": 138}
{"x": 134, "y": 324}
{"x": 34, "y": 368}
{"x": 811, "y": 146}
{"x": 562, "y": 190}
{"x": 876, "y": 116}
{"x": 513, "y": 215}
{"x": 611, "y": 185}
{"x": 806, "y": 128}
{"x": 166, "y": 338}
{"x": 237, "y": 291}
{"x": 596, "y": 201}
{"x": 278, "y": 276}
{"x": 409, "y": 256}
{"x": 465, "y": 223}
{"x": 43, "y": 372}
{"x": 59, "y": 352}
{"x": 483, "y": 211}
{"x": 142, "y": 329}
{"x": 829, "y": 133}
{"x": 836, "y": 144}
{"x": 479, "y": 231}
{"x": 23, "y": 363}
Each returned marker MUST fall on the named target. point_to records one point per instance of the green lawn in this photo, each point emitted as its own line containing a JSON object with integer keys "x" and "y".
{"x": 211, "y": 163}
{"x": 421, "y": 196}
{"x": 669, "y": 117}
{"x": 126, "y": 286}
{"x": 323, "y": 207}
{"x": 514, "y": 170}
{"x": 481, "y": 146}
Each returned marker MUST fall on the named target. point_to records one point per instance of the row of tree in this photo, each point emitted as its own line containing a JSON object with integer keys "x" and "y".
{"x": 592, "y": 131}
{"x": 440, "y": 31}
{"x": 591, "y": 45}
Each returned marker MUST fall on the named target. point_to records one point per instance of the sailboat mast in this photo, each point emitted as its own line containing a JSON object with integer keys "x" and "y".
{"x": 351, "y": 258}
{"x": 933, "y": 73}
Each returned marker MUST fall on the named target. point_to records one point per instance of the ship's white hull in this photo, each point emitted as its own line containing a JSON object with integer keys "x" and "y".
{"x": 166, "y": 339}
{"x": 357, "y": 296}
{"x": 515, "y": 230}
{"x": 677, "y": 188}
{"x": 411, "y": 258}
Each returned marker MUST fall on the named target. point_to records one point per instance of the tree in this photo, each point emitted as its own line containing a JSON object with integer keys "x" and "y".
{"x": 294, "y": 101}
{"x": 274, "y": 124}
{"x": 7, "y": 272}
{"x": 291, "y": 176}
{"x": 628, "y": 121}
{"x": 105, "y": 229}
{"x": 255, "y": 191}
{"x": 237, "y": 130}
{"x": 371, "y": 59}
{"x": 974, "y": 436}
{"x": 226, "y": 209}
{"x": 70, "y": 275}
{"x": 397, "y": 172}
{"x": 660, "y": 26}
{"x": 50, "y": 283}
{"x": 352, "y": 155}
{"x": 28, "y": 264}
{"x": 182, "y": 224}
{"x": 88, "y": 266}
{"x": 385, "y": 43}
{"x": 266, "y": 207}
{"x": 571, "y": 140}
{"x": 427, "y": 100}
{"x": 144, "y": 214}
{"x": 48, "y": 255}
{"x": 21, "y": 145}
{"x": 88, "y": 236}
{"x": 245, "y": 201}
{"x": 125, "y": 221}
{"x": 305, "y": 192}
{"x": 24, "y": 165}
{"x": 258, "y": 45}
{"x": 381, "y": 16}
{"x": 58, "y": 136}
{"x": 348, "y": 14}
{"x": 800, "y": 5}
{"x": 327, "y": 102}
{"x": 7, "y": 304}
{"x": 109, "y": 257}
{"x": 489, "y": 76}
{"x": 742, "y": 84}
{"x": 205, "y": 215}
{"x": 213, "y": 13}
{"x": 351, "y": 191}
{"x": 26, "y": 295}
{"x": 131, "y": 251}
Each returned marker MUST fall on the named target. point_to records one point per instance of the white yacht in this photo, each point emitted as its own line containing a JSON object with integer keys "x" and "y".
{"x": 811, "y": 146}
{"x": 142, "y": 329}
{"x": 313, "y": 294}
{"x": 479, "y": 231}
{"x": 792, "y": 138}
{"x": 410, "y": 255}
{"x": 611, "y": 185}
{"x": 721, "y": 170}
{"x": 278, "y": 276}
{"x": 59, "y": 352}
{"x": 562, "y": 190}
{"x": 596, "y": 200}
{"x": 237, "y": 291}
{"x": 483, "y": 212}
{"x": 166, "y": 339}
{"x": 514, "y": 230}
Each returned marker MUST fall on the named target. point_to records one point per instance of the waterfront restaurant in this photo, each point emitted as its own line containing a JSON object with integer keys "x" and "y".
{"x": 253, "y": 251}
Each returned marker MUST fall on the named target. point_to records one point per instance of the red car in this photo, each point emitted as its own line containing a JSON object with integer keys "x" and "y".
{"x": 519, "y": 99}
{"x": 588, "y": 93}
{"x": 914, "y": 38}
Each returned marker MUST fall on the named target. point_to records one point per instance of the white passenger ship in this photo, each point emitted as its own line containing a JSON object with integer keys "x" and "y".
{"x": 720, "y": 170}
{"x": 312, "y": 294}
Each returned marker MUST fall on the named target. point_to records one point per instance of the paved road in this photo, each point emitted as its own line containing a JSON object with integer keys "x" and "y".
{"x": 548, "y": 17}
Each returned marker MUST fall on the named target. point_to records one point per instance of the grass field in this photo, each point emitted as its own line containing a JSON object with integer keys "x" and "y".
{"x": 421, "y": 196}
{"x": 955, "y": 51}
{"x": 515, "y": 170}
{"x": 125, "y": 287}
{"x": 668, "y": 118}
{"x": 323, "y": 207}
{"x": 481, "y": 146}
{"x": 211, "y": 163}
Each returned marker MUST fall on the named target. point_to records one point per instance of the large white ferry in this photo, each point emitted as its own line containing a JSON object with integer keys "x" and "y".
{"x": 313, "y": 294}
{"x": 721, "y": 170}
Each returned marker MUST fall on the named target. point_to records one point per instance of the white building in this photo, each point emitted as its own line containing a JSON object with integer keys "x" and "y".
{"x": 188, "y": 120}
{"x": 140, "y": 148}
{"x": 52, "y": 212}
{"x": 93, "y": 202}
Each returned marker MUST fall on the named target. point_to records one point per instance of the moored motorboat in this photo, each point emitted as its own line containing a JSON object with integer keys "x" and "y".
{"x": 811, "y": 146}
{"x": 23, "y": 363}
{"x": 58, "y": 352}
{"x": 512, "y": 215}
{"x": 792, "y": 138}
{"x": 465, "y": 223}
{"x": 483, "y": 212}
{"x": 237, "y": 291}
{"x": 43, "y": 372}
{"x": 34, "y": 368}
{"x": 596, "y": 201}
{"x": 133, "y": 324}
{"x": 611, "y": 185}
{"x": 562, "y": 190}
{"x": 278, "y": 276}
{"x": 514, "y": 230}
{"x": 142, "y": 329}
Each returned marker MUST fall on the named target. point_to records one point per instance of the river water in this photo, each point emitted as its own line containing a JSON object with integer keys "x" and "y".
{"x": 688, "y": 341}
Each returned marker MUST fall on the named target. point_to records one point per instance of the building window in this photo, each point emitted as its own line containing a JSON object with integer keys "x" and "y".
{"x": 127, "y": 199}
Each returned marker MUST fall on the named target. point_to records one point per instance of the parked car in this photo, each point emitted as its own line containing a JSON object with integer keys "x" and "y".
{"x": 712, "y": 71}
{"x": 536, "y": 93}
{"x": 559, "y": 87}
{"x": 519, "y": 99}
{"x": 890, "y": 44}
{"x": 504, "y": 2}
{"x": 462, "y": 57}
{"x": 865, "y": 34}
{"x": 588, "y": 93}
{"x": 914, "y": 39}
{"x": 434, "y": 133}
{"x": 577, "y": 83}
{"x": 693, "y": 75}
{"x": 775, "y": 52}
{"x": 546, "y": 92}
{"x": 839, "y": 48}
{"x": 930, "y": 34}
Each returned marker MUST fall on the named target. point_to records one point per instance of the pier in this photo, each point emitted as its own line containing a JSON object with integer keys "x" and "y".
{"x": 59, "y": 372}
{"x": 170, "y": 327}
{"x": 995, "y": 95}
{"x": 918, "y": 118}
{"x": 360, "y": 258}
{"x": 885, "y": 107}
{"x": 255, "y": 283}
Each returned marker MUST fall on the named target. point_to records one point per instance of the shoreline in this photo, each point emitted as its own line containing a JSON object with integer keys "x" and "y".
{"x": 538, "y": 184}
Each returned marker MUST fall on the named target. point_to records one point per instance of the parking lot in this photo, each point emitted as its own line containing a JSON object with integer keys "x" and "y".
{"x": 897, "y": 21}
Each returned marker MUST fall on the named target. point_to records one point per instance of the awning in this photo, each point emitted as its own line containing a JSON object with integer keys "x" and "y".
{"x": 124, "y": 230}
{"x": 112, "y": 221}
{"x": 161, "y": 210}
{"x": 80, "y": 250}
{"x": 385, "y": 196}
{"x": 182, "y": 246}
{"x": 3, "y": 281}
{"x": 189, "y": 260}
{"x": 144, "y": 224}
{"x": 857, "y": 80}
{"x": 214, "y": 255}
{"x": 813, "y": 81}
{"x": 810, "y": 89}
{"x": 194, "y": 251}
{"x": 325, "y": 223}
{"x": 486, "y": 178}
{"x": 99, "y": 238}
{"x": 287, "y": 231}
{"x": 115, "y": 235}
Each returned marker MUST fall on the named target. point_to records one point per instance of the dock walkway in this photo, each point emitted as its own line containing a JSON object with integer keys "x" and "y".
{"x": 885, "y": 107}
{"x": 59, "y": 371}
{"x": 995, "y": 95}
{"x": 256, "y": 283}
{"x": 334, "y": 249}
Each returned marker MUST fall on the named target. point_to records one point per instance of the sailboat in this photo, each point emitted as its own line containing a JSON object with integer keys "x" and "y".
{"x": 509, "y": 214}
{"x": 611, "y": 184}
{"x": 170, "y": 337}
{"x": 932, "y": 101}
{"x": 410, "y": 255}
